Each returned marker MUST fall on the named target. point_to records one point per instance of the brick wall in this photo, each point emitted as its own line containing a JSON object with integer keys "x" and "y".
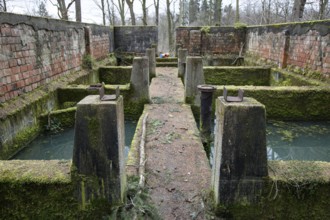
{"x": 302, "y": 45}
{"x": 35, "y": 51}
{"x": 135, "y": 38}
{"x": 216, "y": 40}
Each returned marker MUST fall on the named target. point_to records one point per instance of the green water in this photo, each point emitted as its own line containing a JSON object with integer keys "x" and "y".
{"x": 296, "y": 141}
{"x": 60, "y": 146}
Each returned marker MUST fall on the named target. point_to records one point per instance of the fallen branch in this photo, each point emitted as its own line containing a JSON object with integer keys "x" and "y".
{"x": 142, "y": 153}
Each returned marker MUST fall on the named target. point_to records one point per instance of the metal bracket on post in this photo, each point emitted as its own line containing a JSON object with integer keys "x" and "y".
{"x": 239, "y": 98}
{"x": 103, "y": 96}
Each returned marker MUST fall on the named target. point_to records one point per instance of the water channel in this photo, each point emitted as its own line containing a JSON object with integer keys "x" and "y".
{"x": 60, "y": 146}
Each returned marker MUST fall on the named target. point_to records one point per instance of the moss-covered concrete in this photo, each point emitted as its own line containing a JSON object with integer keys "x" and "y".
{"x": 71, "y": 95}
{"x": 286, "y": 78}
{"x": 65, "y": 117}
{"x": 115, "y": 74}
{"x": 243, "y": 75}
{"x": 287, "y": 103}
{"x": 167, "y": 60}
{"x": 294, "y": 190}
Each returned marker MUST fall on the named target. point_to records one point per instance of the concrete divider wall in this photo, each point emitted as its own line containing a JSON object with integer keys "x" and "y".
{"x": 287, "y": 103}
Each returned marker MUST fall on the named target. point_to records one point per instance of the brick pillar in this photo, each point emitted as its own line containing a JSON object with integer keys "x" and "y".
{"x": 88, "y": 41}
{"x": 240, "y": 158}
{"x": 98, "y": 155}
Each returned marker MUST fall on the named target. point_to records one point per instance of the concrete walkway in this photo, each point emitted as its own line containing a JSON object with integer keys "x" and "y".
{"x": 178, "y": 171}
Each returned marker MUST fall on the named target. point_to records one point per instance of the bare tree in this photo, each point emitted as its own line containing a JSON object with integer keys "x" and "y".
{"x": 218, "y": 12}
{"x": 156, "y": 4}
{"x": 144, "y": 11}
{"x": 237, "y": 12}
{"x": 40, "y": 9}
{"x": 3, "y": 5}
{"x": 78, "y": 10}
{"x": 62, "y": 8}
{"x": 111, "y": 13}
{"x": 131, "y": 11}
{"x": 298, "y": 9}
{"x": 169, "y": 24}
{"x": 121, "y": 9}
{"x": 322, "y": 6}
{"x": 101, "y": 6}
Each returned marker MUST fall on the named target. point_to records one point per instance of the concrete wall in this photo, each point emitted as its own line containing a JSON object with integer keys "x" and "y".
{"x": 210, "y": 40}
{"x": 35, "y": 51}
{"x": 135, "y": 38}
{"x": 304, "y": 45}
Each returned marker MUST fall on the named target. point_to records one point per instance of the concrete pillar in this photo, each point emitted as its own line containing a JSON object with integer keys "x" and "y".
{"x": 182, "y": 55}
{"x": 194, "y": 76}
{"x": 240, "y": 158}
{"x": 98, "y": 154}
{"x": 140, "y": 78}
{"x": 150, "y": 53}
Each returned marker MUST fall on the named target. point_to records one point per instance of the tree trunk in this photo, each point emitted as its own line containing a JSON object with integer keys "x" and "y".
{"x": 323, "y": 6}
{"x": 109, "y": 13}
{"x": 156, "y": 4}
{"x": 237, "y": 12}
{"x": 78, "y": 10}
{"x": 144, "y": 10}
{"x": 121, "y": 4}
{"x": 131, "y": 11}
{"x": 298, "y": 9}
{"x": 169, "y": 25}
{"x": 218, "y": 12}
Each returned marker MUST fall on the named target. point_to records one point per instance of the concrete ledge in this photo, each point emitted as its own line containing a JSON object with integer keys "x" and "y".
{"x": 35, "y": 171}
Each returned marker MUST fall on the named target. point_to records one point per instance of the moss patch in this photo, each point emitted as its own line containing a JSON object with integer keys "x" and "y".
{"x": 295, "y": 190}
{"x": 66, "y": 117}
{"x": 258, "y": 76}
{"x": 115, "y": 74}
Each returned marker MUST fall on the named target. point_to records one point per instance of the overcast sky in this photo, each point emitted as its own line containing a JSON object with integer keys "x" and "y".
{"x": 90, "y": 12}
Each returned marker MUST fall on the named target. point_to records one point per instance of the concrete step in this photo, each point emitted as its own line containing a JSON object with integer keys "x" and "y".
{"x": 167, "y": 60}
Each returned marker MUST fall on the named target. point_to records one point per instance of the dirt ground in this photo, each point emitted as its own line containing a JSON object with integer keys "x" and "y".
{"x": 178, "y": 172}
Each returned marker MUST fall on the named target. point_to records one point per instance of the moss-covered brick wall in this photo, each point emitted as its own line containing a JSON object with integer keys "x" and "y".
{"x": 19, "y": 117}
{"x": 287, "y": 103}
{"x": 302, "y": 45}
{"x": 135, "y": 38}
{"x": 210, "y": 40}
{"x": 118, "y": 75}
{"x": 257, "y": 76}
{"x": 294, "y": 190}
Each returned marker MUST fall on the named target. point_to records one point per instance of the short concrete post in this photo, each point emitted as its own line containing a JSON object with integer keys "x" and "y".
{"x": 240, "y": 158}
{"x": 140, "y": 78}
{"x": 205, "y": 115}
{"x": 98, "y": 154}
{"x": 183, "y": 53}
{"x": 150, "y": 53}
{"x": 194, "y": 76}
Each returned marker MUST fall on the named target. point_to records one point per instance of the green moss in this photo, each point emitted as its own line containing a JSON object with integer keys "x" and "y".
{"x": 20, "y": 140}
{"x": 287, "y": 103}
{"x": 66, "y": 118}
{"x": 257, "y": 76}
{"x": 115, "y": 75}
{"x": 205, "y": 29}
{"x": 87, "y": 61}
{"x": 295, "y": 190}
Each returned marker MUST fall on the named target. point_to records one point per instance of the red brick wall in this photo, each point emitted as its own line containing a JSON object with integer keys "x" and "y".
{"x": 35, "y": 51}
{"x": 216, "y": 40}
{"x": 302, "y": 45}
